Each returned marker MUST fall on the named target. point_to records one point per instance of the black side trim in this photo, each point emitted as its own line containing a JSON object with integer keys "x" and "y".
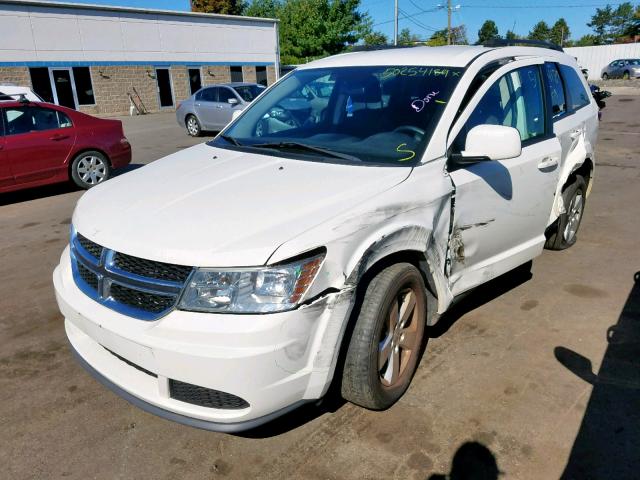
{"x": 183, "y": 419}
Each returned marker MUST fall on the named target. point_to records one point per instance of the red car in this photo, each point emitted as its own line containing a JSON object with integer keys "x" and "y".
{"x": 41, "y": 143}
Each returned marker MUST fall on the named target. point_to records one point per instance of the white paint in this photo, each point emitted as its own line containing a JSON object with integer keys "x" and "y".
{"x": 597, "y": 57}
{"x": 47, "y": 32}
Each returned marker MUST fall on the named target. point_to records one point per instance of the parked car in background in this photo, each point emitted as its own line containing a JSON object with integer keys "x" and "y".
{"x": 12, "y": 93}
{"x": 41, "y": 143}
{"x": 211, "y": 108}
{"x": 623, "y": 68}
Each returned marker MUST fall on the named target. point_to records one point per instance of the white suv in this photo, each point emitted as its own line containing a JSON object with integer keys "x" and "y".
{"x": 314, "y": 239}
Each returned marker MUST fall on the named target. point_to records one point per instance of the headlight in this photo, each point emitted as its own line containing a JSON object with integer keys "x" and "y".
{"x": 250, "y": 290}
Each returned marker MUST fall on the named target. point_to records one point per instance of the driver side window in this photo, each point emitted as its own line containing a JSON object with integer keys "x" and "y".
{"x": 515, "y": 100}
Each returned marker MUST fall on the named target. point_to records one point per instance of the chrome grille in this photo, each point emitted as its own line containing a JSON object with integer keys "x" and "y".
{"x": 136, "y": 287}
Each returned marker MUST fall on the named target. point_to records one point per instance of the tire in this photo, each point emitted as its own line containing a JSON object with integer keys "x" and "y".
{"x": 625, "y": 75}
{"x": 89, "y": 169}
{"x": 193, "y": 126}
{"x": 605, "y": 76}
{"x": 368, "y": 379}
{"x": 564, "y": 232}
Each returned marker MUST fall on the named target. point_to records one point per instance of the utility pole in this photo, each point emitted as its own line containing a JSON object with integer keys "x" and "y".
{"x": 448, "y": 21}
{"x": 395, "y": 24}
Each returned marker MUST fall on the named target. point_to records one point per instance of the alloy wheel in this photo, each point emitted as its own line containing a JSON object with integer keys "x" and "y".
{"x": 92, "y": 170}
{"x": 574, "y": 215}
{"x": 192, "y": 126}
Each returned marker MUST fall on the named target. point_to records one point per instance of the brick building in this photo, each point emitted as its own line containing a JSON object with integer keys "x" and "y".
{"x": 98, "y": 59}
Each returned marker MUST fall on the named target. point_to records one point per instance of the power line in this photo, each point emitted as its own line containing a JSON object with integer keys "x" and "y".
{"x": 542, "y": 6}
{"x": 416, "y": 22}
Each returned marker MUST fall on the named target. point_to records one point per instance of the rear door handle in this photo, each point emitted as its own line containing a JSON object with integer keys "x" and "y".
{"x": 548, "y": 162}
{"x": 58, "y": 137}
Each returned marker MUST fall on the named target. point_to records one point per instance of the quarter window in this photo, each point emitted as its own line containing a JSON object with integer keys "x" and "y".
{"x": 578, "y": 96}
{"x": 515, "y": 100}
{"x": 34, "y": 119}
{"x": 556, "y": 90}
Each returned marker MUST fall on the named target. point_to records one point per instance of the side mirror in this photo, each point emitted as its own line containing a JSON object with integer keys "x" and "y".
{"x": 233, "y": 101}
{"x": 492, "y": 142}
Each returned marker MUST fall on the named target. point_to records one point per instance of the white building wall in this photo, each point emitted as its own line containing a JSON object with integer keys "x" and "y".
{"x": 32, "y": 32}
{"x": 596, "y": 58}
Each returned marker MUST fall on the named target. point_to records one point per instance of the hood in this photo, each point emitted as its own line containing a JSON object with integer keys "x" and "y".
{"x": 206, "y": 206}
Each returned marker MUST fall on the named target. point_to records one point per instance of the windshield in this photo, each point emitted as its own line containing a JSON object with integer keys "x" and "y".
{"x": 375, "y": 114}
{"x": 249, "y": 92}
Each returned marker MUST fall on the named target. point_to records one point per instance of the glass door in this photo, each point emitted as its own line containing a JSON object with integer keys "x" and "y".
{"x": 63, "y": 86}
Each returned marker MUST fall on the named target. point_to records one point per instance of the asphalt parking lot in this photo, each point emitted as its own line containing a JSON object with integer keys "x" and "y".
{"x": 540, "y": 370}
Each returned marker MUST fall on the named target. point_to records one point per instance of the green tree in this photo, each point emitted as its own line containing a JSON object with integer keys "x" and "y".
{"x": 511, "y": 35}
{"x": 611, "y": 24}
{"x": 488, "y": 31}
{"x": 458, "y": 37}
{"x": 375, "y": 38}
{"x": 227, "y": 7}
{"x": 586, "y": 41}
{"x": 560, "y": 32}
{"x": 311, "y": 29}
{"x": 540, "y": 31}
{"x": 405, "y": 37}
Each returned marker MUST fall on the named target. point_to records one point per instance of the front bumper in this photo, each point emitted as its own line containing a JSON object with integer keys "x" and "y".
{"x": 274, "y": 362}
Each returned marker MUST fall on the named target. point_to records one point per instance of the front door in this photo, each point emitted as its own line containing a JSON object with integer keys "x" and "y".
{"x": 225, "y": 108}
{"x": 165, "y": 93}
{"x": 38, "y": 142}
{"x": 502, "y": 207}
{"x": 63, "y": 87}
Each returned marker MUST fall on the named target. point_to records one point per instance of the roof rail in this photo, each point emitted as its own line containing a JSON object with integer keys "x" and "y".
{"x": 369, "y": 48}
{"x": 503, "y": 42}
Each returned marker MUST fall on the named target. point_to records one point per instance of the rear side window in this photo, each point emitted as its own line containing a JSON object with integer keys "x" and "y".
{"x": 576, "y": 93}
{"x": 34, "y": 119}
{"x": 556, "y": 90}
{"x": 208, "y": 95}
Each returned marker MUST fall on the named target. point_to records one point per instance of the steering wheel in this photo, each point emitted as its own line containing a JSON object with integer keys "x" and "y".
{"x": 415, "y": 132}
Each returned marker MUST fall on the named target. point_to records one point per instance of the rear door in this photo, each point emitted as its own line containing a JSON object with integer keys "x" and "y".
{"x": 501, "y": 207}
{"x": 206, "y": 107}
{"x": 6, "y": 176}
{"x": 38, "y": 142}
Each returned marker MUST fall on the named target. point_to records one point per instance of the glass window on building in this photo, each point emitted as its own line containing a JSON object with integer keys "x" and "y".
{"x": 84, "y": 86}
{"x": 41, "y": 83}
{"x": 236, "y": 74}
{"x": 261, "y": 75}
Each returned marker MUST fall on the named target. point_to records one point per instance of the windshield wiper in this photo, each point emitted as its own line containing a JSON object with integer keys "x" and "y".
{"x": 307, "y": 148}
{"x": 231, "y": 140}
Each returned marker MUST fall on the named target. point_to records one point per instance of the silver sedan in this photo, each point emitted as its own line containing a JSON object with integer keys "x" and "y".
{"x": 211, "y": 108}
{"x": 625, "y": 68}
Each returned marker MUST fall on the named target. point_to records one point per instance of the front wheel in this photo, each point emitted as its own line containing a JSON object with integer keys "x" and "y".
{"x": 90, "y": 169}
{"x": 625, "y": 75}
{"x": 564, "y": 232}
{"x": 605, "y": 76}
{"x": 387, "y": 339}
{"x": 193, "y": 126}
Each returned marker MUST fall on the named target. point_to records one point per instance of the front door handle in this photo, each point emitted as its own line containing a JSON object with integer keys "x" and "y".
{"x": 548, "y": 162}
{"x": 576, "y": 133}
{"x": 58, "y": 136}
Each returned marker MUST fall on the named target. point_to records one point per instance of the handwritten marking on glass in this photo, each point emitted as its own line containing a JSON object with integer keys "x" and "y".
{"x": 417, "y": 72}
{"x": 419, "y": 104}
{"x": 410, "y": 152}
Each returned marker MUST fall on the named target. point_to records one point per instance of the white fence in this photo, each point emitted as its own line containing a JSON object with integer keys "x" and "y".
{"x": 596, "y": 58}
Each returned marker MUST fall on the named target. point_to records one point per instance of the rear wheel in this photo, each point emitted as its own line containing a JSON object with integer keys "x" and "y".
{"x": 90, "y": 169}
{"x": 564, "y": 232}
{"x": 387, "y": 340}
{"x": 193, "y": 126}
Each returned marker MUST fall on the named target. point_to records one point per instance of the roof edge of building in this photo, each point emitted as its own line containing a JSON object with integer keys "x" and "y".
{"x": 112, "y": 8}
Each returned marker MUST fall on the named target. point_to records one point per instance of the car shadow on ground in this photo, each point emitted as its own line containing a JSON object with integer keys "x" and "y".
{"x": 608, "y": 442}
{"x": 472, "y": 461}
{"x": 333, "y": 401}
{"x": 36, "y": 193}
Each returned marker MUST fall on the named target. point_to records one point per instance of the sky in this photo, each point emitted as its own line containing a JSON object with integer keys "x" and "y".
{"x": 423, "y": 17}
